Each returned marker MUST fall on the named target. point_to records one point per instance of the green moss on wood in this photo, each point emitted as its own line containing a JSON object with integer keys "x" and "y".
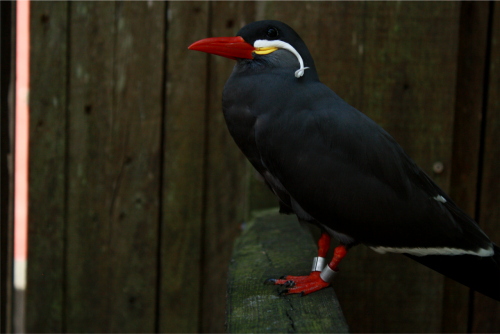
{"x": 273, "y": 245}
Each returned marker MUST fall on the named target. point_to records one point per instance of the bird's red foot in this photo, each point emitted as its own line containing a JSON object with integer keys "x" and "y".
{"x": 300, "y": 284}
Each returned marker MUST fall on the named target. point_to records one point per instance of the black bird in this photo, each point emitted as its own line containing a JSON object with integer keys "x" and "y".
{"x": 334, "y": 167}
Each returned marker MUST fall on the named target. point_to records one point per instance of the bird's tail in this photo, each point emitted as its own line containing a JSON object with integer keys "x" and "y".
{"x": 479, "y": 273}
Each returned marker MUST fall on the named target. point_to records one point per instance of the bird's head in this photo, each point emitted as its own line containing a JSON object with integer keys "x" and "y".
{"x": 259, "y": 40}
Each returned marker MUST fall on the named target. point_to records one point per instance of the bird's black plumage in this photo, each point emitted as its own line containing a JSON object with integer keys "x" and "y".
{"x": 333, "y": 166}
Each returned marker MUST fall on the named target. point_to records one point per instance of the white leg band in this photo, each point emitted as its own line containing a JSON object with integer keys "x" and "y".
{"x": 327, "y": 274}
{"x": 318, "y": 263}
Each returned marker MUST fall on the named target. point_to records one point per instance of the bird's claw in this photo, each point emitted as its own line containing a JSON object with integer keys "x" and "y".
{"x": 302, "y": 285}
{"x": 283, "y": 292}
{"x": 270, "y": 281}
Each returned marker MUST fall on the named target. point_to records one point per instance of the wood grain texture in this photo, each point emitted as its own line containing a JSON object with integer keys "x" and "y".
{"x": 113, "y": 209}
{"x": 396, "y": 62}
{"x": 466, "y": 142}
{"x": 91, "y": 104}
{"x": 486, "y": 310}
{"x": 183, "y": 170}
{"x": 271, "y": 246}
{"x": 225, "y": 175}
{"x": 47, "y": 173}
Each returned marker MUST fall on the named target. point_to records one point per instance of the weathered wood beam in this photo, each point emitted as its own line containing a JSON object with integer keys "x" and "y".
{"x": 273, "y": 245}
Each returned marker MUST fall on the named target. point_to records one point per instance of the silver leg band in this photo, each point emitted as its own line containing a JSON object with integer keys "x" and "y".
{"x": 318, "y": 263}
{"x": 327, "y": 274}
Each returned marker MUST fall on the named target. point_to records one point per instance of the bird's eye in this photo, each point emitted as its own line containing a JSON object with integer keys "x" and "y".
{"x": 272, "y": 33}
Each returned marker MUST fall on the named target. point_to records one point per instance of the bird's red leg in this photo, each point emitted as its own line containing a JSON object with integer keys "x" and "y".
{"x": 324, "y": 246}
{"x": 307, "y": 284}
{"x": 338, "y": 255}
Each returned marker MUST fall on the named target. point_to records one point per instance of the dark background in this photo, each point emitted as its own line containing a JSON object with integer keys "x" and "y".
{"x": 137, "y": 190}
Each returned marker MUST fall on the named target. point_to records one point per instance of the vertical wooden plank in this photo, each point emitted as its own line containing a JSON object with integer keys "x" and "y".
{"x": 114, "y": 154}
{"x": 396, "y": 62}
{"x": 486, "y": 316}
{"x": 466, "y": 142}
{"x": 138, "y": 88}
{"x": 8, "y": 43}
{"x": 226, "y": 174}
{"x": 139, "y": 97}
{"x": 413, "y": 96}
{"x": 469, "y": 103}
{"x": 47, "y": 147}
{"x": 90, "y": 106}
{"x": 183, "y": 170}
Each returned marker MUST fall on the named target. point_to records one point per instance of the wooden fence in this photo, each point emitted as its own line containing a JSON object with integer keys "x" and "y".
{"x": 137, "y": 191}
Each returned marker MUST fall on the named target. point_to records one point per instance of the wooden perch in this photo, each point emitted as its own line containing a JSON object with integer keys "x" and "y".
{"x": 273, "y": 245}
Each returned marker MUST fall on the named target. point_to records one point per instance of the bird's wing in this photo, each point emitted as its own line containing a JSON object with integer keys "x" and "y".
{"x": 350, "y": 175}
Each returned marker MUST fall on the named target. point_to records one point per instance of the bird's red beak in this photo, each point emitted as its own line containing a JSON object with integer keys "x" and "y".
{"x": 229, "y": 47}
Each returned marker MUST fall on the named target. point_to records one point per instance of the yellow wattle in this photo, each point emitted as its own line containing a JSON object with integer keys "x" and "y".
{"x": 265, "y": 51}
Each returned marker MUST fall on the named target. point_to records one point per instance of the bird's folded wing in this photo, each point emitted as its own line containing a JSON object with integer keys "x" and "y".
{"x": 350, "y": 175}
